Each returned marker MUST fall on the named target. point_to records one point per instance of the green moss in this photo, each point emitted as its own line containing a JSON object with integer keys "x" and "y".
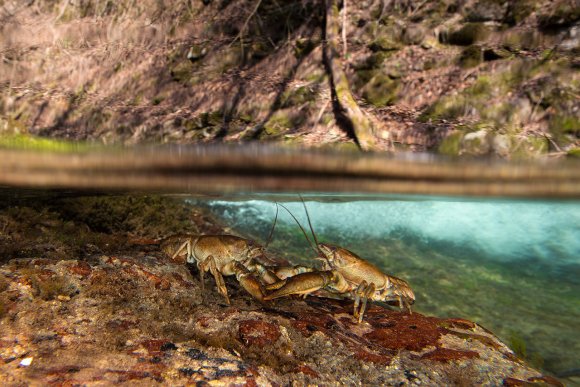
{"x": 303, "y": 46}
{"x": 53, "y": 287}
{"x": 467, "y": 35}
{"x": 27, "y": 142}
{"x": 562, "y": 14}
{"x": 316, "y": 76}
{"x": 500, "y": 114}
{"x": 445, "y": 108}
{"x": 229, "y": 59}
{"x": 182, "y": 71}
{"x": 565, "y": 124}
{"x": 277, "y": 124}
{"x": 521, "y": 40}
{"x": 481, "y": 87}
{"x": 157, "y": 100}
{"x": 574, "y": 153}
{"x": 476, "y": 143}
{"x": 518, "y": 10}
{"x": 471, "y": 56}
{"x": 298, "y": 96}
{"x": 346, "y": 147}
{"x": 141, "y": 215}
{"x": 257, "y": 50}
{"x": 529, "y": 147}
{"x": 381, "y": 90}
{"x": 373, "y": 61}
{"x": 384, "y": 43}
{"x": 451, "y": 145}
{"x": 513, "y": 76}
{"x": 520, "y": 348}
{"x": 246, "y": 117}
{"x": 518, "y": 345}
{"x": 196, "y": 52}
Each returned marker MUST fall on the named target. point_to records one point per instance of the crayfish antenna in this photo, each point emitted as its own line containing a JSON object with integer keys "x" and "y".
{"x": 309, "y": 223}
{"x": 273, "y": 226}
{"x": 301, "y": 228}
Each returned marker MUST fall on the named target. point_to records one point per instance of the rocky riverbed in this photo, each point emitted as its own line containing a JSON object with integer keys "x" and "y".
{"x": 119, "y": 310}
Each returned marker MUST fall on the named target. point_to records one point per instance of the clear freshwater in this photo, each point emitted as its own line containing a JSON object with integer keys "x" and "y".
{"x": 511, "y": 266}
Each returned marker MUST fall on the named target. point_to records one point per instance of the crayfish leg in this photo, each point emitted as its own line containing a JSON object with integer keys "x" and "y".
{"x": 210, "y": 263}
{"x": 359, "y": 291}
{"x": 368, "y": 293}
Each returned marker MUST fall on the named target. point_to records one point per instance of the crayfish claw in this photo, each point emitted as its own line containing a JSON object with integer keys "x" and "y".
{"x": 301, "y": 284}
{"x": 252, "y": 286}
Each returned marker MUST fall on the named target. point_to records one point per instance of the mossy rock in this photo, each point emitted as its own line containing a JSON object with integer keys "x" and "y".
{"x": 518, "y": 10}
{"x": 451, "y": 144}
{"x": 529, "y": 147}
{"x": 298, "y": 96}
{"x": 471, "y": 56}
{"x": 501, "y": 145}
{"x": 381, "y": 90}
{"x": 204, "y": 120}
{"x": 373, "y": 61}
{"x": 229, "y": 58}
{"x": 495, "y": 53}
{"x": 384, "y": 43}
{"x": 213, "y": 118}
{"x": 445, "y": 108}
{"x": 515, "y": 41}
{"x": 487, "y": 10}
{"x": 304, "y": 46}
{"x": 482, "y": 87}
{"x": 563, "y": 13}
{"x": 196, "y": 52}
{"x": 414, "y": 34}
{"x": 476, "y": 143}
{"x": 574, "y": 153}
{"x": 362, "y": 77}
{"x": 565, "y": 124}
{"x": 467, "y": 35}
{"x": 499, "y": 114}
{"x": 258, "y": 50}
{"x": 280, "y": 122}
{"x": 182, "y": 72}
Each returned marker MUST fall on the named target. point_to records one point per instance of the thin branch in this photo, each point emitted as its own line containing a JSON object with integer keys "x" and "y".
{"x": 240, "y": 35}
{"x": 344, "y": 48}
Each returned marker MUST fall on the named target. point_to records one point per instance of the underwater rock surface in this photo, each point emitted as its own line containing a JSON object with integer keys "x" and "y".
{"x": 142, "y": 318}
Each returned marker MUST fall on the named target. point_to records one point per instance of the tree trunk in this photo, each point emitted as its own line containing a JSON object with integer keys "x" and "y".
{"x": 348, "y": 113}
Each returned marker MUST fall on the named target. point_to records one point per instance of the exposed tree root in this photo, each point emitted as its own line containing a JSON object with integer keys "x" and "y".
{"x": 348, "y": 113}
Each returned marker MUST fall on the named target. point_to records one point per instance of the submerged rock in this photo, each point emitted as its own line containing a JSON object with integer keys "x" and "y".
{"x": 143, "y": 318}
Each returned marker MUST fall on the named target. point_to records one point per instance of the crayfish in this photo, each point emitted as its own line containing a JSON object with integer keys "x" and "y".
{"x": 345, "y": 273}
{"x": 224, "y": 255}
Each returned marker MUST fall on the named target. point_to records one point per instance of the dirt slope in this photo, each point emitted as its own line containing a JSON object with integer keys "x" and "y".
{"x": 471, "y": 77}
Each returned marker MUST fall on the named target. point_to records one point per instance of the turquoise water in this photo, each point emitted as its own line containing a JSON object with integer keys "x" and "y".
{"x": 512, "y": 266}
